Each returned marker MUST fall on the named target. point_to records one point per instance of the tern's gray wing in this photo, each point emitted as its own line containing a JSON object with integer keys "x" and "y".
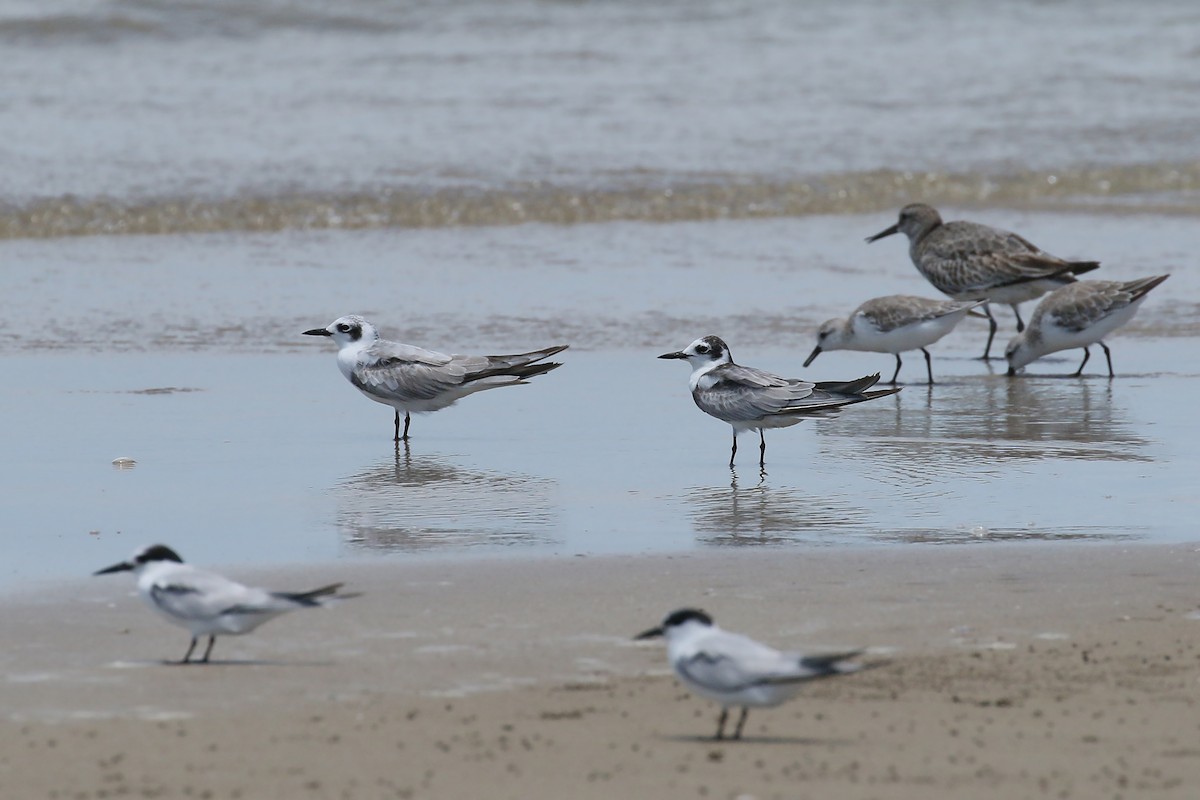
{"x": 738, "y": 393}
{"x": 896, "y": 311}
{"x": 197, "y": 595}
{"x": 404, "y": 372}
{"x": 728, "y": 662}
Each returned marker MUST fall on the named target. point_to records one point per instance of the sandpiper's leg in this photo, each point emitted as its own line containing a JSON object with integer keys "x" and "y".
{"x": 987, "y": 310}
{"x": 733, "y": 452}
{"x": 407, "y": 420}
{"x": 188, "y": 654}
{"x": 896, "y": 374}
{"x": 1108, "y": 357}
{"x": 762, "y": 449}
{"x": 928, "y": 365}
{"x": 1017, "y": 314}
{"x": 721, "y": 724}
{"x": 396, "y": 438}
{"x": 1086, "y": 355}
{"x": 208, "y": 650}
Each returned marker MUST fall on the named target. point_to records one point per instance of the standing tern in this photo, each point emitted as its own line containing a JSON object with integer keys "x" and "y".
{"x": 208, "y": 604}
{"x": 418, "y": 381}
{"x": 735, "y": 670}
{"x": 750, "y": 399}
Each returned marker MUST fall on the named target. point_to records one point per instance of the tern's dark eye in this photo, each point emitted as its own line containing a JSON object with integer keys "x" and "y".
{"x": 701, "y": 349}
{"x": 343, "y": 327}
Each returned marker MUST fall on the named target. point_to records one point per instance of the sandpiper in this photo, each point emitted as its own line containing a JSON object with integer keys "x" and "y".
{"x": 1078, "y": 315}
{"x": 893, "y": 324}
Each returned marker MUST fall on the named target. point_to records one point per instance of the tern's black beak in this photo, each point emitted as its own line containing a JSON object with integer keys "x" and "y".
{"x": 813, "y": 355}
{"x": 674, "y": 355}
{"x": 650, "y": 634}
{"x": 122, "y": 567}
{"x": 317, "y": 332}
{"x": 885, "y": 232}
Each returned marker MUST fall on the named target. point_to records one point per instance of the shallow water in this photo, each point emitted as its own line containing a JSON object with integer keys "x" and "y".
{"x": 305, "y": 470}
{"x": 184, "y": 354}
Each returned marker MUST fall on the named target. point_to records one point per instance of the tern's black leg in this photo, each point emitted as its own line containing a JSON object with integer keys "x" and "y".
{"x": 208, "y": 650}
{"x": 896, "y": 374}
{"x": 1086, "y": 355}
{"x": 402, "y": 437}
{"x": 737, "y": 732}
{"x": 188, "y": 654}
{"x": 733, "y": 452}
{"x": 928, "y": 365}
{"x": 762, "y": 450}
{"x": 1017, "y": 314}
{"x": 1108, "y": 357}
{"x": 987, "y": 350}
{"x": 721, "y": 724}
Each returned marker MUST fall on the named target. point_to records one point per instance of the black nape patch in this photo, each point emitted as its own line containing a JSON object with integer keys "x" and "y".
{"x": 686, "y": 615}
{"x": 158, "y": 552}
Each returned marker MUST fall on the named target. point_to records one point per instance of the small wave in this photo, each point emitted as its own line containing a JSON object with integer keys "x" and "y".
{"x": 54, "y": 28}
{"x": 150, "y": 19}
{"x": 648, "y": 196}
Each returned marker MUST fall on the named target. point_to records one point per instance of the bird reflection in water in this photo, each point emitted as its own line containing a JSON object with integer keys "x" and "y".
{"x": 972, "y": 428}
{"x": 425, "y": 503}
{"x": 763, "y": 514}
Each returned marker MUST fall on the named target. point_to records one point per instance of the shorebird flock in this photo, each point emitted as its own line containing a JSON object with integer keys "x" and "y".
{"x": 973, "y": 264}
{"x": 978, "y": 265}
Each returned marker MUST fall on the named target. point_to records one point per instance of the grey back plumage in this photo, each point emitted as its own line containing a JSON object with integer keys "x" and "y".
{"x": 963, "y": 259}
{"x": 744, "y": 394}
{"x": 896, "y": 311}
{"x": 404, "y": 372}
{"x": 1086, "y": 302}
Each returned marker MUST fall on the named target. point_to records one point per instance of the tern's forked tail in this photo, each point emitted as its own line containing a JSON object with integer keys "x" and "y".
{"x": 316, "y": 597}
{"x": 520, "y": 365}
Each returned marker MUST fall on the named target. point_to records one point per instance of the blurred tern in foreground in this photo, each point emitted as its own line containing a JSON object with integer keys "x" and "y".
{"x": 206, "y": 603}
{"x": 750, "y": 399}
{"x": 417, "y": 381}
{"x": 893, "y": 324}
{"x": 735, "y": 670}
{"x": 970, "y": 261}
{"x": 1078, "y": 315}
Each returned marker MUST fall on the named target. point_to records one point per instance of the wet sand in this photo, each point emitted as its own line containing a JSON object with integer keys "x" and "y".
{"x": 1004, "y": 671}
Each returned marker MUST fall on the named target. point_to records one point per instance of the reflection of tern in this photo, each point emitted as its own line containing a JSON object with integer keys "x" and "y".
{"x": 735, "y": 670}
{"x": 893, "y": 324}
{"x": 750, "y": 399}
{"x": 415, "y": 503}
{"x": 1078, "y": 315}
{"x": 208, "y": 604}
{"x": 970, "y": 261}
{"x": 417, "y": 381}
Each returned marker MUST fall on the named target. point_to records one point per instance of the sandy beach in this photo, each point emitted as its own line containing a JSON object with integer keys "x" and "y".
{"x": 1002, "y": 671}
